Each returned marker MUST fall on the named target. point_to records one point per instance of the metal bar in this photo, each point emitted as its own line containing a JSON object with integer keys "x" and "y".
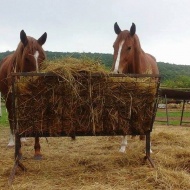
{"x": 182, "y": 111}
{"x": 17, "y": 159}
{"x": 92, "y": 74}
{"x": 78, "y": 133}
{"x": 17, "y": 146}
{"x": 13, "y": 103}
{"x": 155, "y": 104}
{"x": 13, "y": 171}
{"x": 167, "y": 110}
{"x": 17, "y": 137}
{"x": 148, "y": 145}
{"x": 12, "y": 174}
{"x": 148, "y": 149}
{"x": 151, "y": 162}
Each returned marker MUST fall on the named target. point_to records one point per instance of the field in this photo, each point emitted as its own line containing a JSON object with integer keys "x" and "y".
{"x": 174, "y": 115}
{"x": 91, "y": 163}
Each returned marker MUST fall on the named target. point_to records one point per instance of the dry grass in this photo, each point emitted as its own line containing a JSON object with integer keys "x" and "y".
{"x": 92, "y": 163}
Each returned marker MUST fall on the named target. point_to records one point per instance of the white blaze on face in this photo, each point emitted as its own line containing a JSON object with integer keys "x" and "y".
{"x": 116, "y": 69}
{"x": 36, "y": 55}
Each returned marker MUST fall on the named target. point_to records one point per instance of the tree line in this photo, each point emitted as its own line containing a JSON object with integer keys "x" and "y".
{"x": 172, "y": 75}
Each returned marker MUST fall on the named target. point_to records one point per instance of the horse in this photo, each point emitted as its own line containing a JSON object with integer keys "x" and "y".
{"x": 28, "y": 57}
{"x": 129, "y": 58}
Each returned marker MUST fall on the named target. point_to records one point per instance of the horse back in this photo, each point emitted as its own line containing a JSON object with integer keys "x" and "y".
{"x": 148, "y": 64}
{"x": 6, "y": 67}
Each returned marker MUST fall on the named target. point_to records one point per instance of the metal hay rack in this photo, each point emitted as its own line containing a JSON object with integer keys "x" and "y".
{"x": 46, "y": 104}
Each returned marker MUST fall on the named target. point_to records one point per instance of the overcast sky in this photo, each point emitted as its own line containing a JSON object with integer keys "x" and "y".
{"x": 163, "y": 26}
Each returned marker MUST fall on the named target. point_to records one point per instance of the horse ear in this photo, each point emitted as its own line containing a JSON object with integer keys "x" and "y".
{"x": 23, "y": 37}
{"x": 133, "y": 29}
{"x": 116, "y": 28}
{"x": 42, "y": 39}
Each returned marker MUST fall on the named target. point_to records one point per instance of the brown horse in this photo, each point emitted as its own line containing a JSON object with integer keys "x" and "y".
{"x": 129, "y": 58}
{"x": 28, "y": 57}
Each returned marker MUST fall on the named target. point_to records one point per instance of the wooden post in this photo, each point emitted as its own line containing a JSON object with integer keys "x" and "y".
{"x": 167, "y": 110}
{"x": 182, "y": 112}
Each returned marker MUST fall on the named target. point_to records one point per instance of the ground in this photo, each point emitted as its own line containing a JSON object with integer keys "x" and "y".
{"x": 92, "y": 163}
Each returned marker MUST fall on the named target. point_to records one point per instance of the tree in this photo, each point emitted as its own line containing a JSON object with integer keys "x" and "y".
{"x": 178, "y": 82}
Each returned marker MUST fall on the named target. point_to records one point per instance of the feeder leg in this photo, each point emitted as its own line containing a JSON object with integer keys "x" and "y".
{"x": 18, "y": 156}
{"x": 18, "y": 153}
{"x": 148, "y": 150}
{"x": 37, "y": 155}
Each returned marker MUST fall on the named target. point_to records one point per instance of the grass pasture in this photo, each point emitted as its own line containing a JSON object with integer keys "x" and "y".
{"x": 3, "y": 119}
{"x": 174, "y": 115}
{"x": 92, "y": 163}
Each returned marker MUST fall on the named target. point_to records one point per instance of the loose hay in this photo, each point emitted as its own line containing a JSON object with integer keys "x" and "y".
{"x": 78, "y": 96}
{"x": 92, "y": 163}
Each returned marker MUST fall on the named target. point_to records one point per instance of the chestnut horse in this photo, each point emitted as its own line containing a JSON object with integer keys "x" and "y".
{"x": 28, "y": 57}
{"x": 129, "y": 58}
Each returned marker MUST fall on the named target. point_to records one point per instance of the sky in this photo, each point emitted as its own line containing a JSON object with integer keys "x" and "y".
{"x": 163, "y": 26}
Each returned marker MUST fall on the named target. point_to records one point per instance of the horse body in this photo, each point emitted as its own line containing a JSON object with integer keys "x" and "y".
{"x": 129, "y": 58}
{"x": 5, "y": 69}
{"x": 28, "y": 57}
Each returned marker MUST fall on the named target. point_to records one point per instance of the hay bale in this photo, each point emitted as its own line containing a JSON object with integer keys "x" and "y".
{"x": 78, "y": 96}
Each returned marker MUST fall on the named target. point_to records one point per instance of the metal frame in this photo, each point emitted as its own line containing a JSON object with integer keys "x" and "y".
{"x": 175, "y": 94}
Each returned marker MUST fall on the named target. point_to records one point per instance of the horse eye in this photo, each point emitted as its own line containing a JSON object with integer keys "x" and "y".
{"x": 129, "y": 48}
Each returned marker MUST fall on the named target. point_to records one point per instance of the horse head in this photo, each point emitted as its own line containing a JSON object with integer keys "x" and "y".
{"x": 30, "y": 54}
{"x": 125, "y": 47}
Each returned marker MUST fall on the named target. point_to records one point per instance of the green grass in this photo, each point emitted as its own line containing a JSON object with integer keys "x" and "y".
{"x": 174, "y": 117}
{"x": 171, "y": 122}
{"x": 4, "y": 118}
{"x": 172, "y": 114}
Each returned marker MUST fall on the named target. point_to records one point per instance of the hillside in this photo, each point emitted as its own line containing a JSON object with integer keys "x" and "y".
{"x": 167, "y": 71}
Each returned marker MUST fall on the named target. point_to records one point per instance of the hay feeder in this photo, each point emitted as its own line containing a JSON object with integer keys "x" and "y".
{"x": 85, "y": 104}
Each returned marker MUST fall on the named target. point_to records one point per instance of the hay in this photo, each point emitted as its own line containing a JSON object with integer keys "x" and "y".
{"x": 78, "y": 96}
{"x": 92, "y": 163}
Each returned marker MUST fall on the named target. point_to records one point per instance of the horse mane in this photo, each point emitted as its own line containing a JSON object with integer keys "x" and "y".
{"x": 151, "y": 56}
{"x": 138, "y": 50}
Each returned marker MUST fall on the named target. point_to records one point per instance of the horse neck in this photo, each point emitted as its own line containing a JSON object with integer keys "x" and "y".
{"x": 137, "y": 57}
{"x": 11, "y": 62}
